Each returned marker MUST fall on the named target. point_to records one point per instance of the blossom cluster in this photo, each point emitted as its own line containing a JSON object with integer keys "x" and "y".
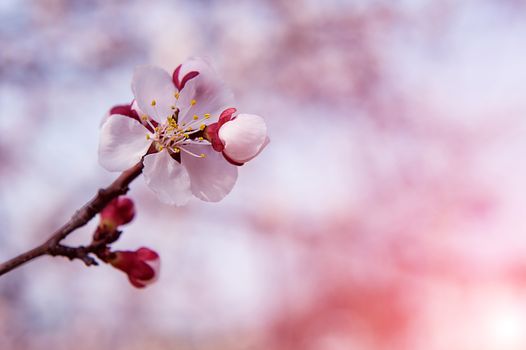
{"x": 190, "y": 139}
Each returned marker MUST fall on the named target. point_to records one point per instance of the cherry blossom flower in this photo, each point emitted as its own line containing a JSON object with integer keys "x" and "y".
{"x": 142, "y": 266}
{"x": 174, "y": 125}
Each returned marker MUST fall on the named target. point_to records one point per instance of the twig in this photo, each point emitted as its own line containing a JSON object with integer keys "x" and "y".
{"x": 81, "y": 217}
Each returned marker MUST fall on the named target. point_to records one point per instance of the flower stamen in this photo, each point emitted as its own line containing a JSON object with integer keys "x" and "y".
{"x": 202, "y": 155}
{"x": 173, "y": 136}
{"x": 146, "y": 120}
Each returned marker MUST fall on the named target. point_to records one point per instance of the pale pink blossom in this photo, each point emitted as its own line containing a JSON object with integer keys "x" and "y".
{"x": 166, "y": 126}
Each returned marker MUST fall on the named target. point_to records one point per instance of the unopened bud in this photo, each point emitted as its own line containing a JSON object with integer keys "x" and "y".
{"x": 243, "y": 137}
{"x": 142, "y": 266}
{"x": 119, "y": 211}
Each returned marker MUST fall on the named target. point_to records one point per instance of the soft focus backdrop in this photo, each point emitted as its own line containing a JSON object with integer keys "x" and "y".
{"x": 388, "y": 212}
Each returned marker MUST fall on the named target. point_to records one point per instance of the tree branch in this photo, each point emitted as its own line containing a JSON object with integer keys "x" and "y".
{"x": 81, "y": 217}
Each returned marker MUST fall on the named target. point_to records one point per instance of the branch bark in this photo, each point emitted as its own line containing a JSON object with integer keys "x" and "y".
{"x": 81, "y": 217}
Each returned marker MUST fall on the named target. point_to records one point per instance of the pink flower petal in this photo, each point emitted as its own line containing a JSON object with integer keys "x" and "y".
{"x": 207, "y": 89}
{"x": 243, "y": 137}
{"x": 167, "y": 178}
{"x": 150, "y": 84}
{"x": 122, "y": 143}
{"x": 212, "y": 177}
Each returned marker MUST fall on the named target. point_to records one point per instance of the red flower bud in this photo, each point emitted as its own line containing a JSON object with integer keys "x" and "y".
{"x": 119, "y": 211}
{"x": 142, "y": 266}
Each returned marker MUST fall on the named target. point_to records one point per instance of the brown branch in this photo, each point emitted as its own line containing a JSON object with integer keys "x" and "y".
{"x": 81, "y": 217}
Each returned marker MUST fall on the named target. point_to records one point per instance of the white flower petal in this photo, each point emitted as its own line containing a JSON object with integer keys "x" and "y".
{"x": 243, "y": 137}
{"x": 212, "y": 177}
{"x": 149, "y": 84}
{"x": 122, "y": 143}
{"x": 104, "y": 119}
{"x": 267, "y": 141}
{"x": 167, "y": 178}
{"x": 207, "y": 89}
{"x": 135, "y": 106}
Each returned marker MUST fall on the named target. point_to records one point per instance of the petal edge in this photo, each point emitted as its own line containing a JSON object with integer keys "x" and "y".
{"x": 122, "y": 143}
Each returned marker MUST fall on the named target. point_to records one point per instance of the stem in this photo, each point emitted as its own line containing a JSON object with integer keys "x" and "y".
{"x": 22, "y": 259}
{"x": 81, "y": 217}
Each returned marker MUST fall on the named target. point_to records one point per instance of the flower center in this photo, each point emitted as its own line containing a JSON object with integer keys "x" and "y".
{"x": 174, "y": 137}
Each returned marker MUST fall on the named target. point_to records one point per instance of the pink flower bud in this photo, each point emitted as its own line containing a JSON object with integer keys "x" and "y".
{"x": 240, "y": 138}
{"x": 119, "y": 211}
{"x": 142, "y": 266}
{"x": 243, "y": 137}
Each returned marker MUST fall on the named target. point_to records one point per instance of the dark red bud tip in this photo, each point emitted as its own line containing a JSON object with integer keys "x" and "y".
{"x": 226, "y": 115}
{"x": 175, "y": 77}
{"x": 180, "y": 82}
{"x": 142, "y": 266}
{"x": 119, "y": 211}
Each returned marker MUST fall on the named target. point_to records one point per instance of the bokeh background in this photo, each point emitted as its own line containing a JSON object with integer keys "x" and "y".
{"x": 388, "y": 212}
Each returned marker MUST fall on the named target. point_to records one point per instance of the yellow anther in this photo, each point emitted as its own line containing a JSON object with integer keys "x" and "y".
{"x": 186, "y": 135}
{"x": 207, "y": 115}
{"x": 154, "y": 103}
{"x": 202, "y": 155}
{"x": 144, "y": 117}
{"x": 171, "y": 122}
{"x": 202, "y": 127}
{"x": 195, "y": 117}
{"x": 147, "y": 136}
{"x": 193, "y": 102}
{"x": 200, "y": 138}
{"x": 177, "y": 150}
{"x": 176, "y": 95}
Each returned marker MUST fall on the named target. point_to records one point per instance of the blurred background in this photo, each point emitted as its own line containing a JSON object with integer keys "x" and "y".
{"x": 388, "y": 212}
